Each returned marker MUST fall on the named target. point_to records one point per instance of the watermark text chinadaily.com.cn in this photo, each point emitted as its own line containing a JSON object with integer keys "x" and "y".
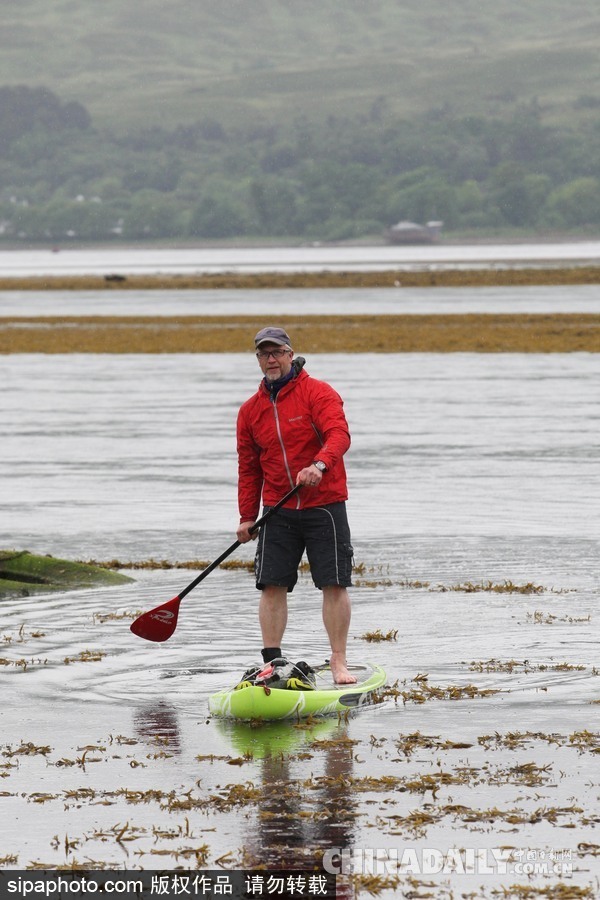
{"x": 454, "y": 861}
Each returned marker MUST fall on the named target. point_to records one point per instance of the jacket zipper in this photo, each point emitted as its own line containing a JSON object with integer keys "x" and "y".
{"x": 285, "y": 459}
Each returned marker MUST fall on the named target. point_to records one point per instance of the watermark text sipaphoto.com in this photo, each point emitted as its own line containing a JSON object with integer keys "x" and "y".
{"x": 459, "y": 861}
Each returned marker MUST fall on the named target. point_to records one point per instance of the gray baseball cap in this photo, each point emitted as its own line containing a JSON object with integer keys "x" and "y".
{"x": 272, "y": 334}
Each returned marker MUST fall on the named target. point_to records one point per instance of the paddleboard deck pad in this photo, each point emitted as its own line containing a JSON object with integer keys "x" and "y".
{"x": 307, "y": 692}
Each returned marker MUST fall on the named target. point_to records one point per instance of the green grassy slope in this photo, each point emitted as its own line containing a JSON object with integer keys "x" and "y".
{"x": 149, "y": 62}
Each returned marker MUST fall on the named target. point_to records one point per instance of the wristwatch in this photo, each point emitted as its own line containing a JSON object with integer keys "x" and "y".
{"x": 318, "y": 464}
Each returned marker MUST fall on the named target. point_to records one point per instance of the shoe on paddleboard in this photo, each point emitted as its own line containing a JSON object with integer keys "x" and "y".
{"x": 280, "y": 674}
{"x": 305, "y": 678}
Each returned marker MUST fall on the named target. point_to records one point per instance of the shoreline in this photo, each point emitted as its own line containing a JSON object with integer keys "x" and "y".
{"x": 452, "y": 238}
{"x": 390, "y": 278}
{"x": 407, "y": 333}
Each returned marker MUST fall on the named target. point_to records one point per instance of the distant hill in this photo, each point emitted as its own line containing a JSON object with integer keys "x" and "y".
{"x": 321, "y": 119}
{"x": 144, "y": 62}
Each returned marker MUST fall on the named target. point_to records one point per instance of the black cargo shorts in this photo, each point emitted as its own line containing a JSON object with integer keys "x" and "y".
{"x": 322, "y": 531}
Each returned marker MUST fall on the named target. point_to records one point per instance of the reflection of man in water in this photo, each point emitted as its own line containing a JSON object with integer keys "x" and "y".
{"x": 299, "y": 821}
{"x": 158, "y": 722}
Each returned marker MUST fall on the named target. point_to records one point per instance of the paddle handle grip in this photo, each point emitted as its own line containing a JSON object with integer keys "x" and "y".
{"x": 217, "y": 562}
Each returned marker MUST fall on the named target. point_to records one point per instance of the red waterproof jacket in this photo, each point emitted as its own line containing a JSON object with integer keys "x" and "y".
{"x": 276, "y": 438}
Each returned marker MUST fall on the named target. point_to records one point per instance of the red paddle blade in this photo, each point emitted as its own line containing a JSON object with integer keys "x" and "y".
{"x": 159, "y": 624}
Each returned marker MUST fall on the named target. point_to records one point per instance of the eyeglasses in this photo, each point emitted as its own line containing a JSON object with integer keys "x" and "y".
{"x": 277, "y": 354}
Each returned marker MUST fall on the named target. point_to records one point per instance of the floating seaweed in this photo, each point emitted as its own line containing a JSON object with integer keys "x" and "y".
{"x": 407, "y": 744}
{"x": 539, "y": 617}
{"x": 378, "y": 636}
{"x": 426, "y": 692}
{"x": 27, "y": 748}
{"x": 512, "y": 665}
{"x": 85, "y": 656}
{"x": 560, "y": 891}
{"x": 506, "y": 587}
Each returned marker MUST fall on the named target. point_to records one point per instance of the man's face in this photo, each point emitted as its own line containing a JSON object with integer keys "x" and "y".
{"x": 274, "y": 360}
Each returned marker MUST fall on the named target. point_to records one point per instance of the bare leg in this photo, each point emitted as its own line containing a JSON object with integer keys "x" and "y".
{"x": 272, "y": 615}
{"x": 336, "y": 617}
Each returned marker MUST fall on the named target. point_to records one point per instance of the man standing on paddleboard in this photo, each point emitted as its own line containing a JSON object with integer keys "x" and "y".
{"x": 293, "y": 431}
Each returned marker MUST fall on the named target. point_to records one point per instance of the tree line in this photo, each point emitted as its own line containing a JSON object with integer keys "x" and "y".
{"x": 341, "y": 178}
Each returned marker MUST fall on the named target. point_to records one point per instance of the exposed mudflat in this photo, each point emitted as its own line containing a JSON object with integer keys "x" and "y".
{"x": 426, "y": 333}
{"x": 547, "y": 274}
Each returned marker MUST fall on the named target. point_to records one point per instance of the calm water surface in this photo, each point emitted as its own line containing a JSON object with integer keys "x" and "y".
{"x": 289, "y": 259}
{"x": 464, "y": 468}
{"x": 301, "y": 301}
{"x": 136, "y": 454}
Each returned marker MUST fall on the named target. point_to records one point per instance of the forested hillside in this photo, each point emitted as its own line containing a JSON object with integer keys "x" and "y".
{"x": 322, "y": 120}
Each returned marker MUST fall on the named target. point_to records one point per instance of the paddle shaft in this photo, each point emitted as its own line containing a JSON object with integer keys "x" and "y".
{"x": 236, "y": 544}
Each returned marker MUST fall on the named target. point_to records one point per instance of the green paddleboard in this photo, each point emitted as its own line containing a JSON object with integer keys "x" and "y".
{"x": 328, "y": 699}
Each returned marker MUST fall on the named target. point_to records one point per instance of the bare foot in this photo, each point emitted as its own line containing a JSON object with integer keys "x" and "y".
{"x": 339, "y": 670}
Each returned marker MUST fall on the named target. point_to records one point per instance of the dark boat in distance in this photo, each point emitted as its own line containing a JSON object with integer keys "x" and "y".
{"x": 411, "y": 233}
